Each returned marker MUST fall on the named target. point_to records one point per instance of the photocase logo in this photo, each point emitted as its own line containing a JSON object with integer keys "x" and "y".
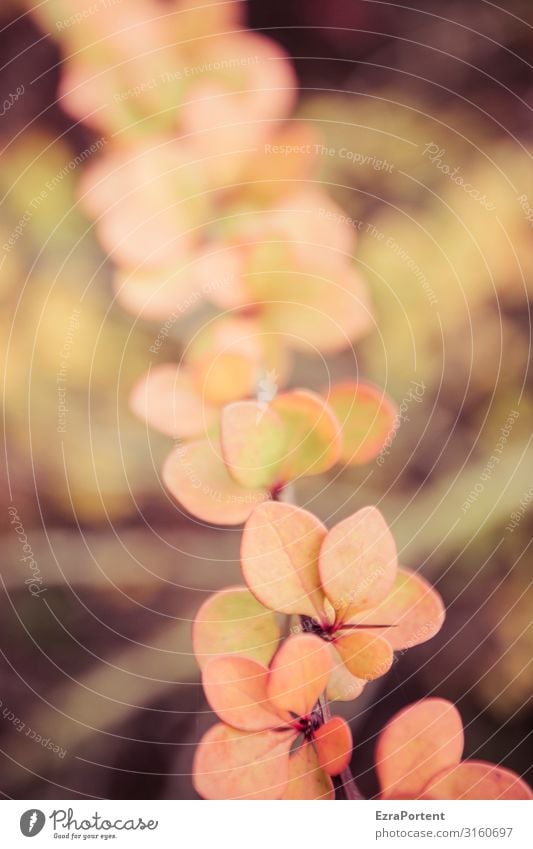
{"x": 32, "y": 822}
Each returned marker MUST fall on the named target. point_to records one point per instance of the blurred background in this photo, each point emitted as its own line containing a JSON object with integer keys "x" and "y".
{"x": 99, "y": 692}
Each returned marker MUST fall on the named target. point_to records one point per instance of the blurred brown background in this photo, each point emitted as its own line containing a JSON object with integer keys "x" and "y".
{"x": 97, "y": 664}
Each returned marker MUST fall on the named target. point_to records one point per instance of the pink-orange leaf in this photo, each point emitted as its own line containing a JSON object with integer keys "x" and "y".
{"x": 231, "y": 764}
{"x": 234, "y": 622}
{"x": 253, "y": 443}
{"x": 367, "y": 418}
{"x": 299, "y": 674}
{"x": 279, "y": 554}
{"x": 365, "y": 654}
{"x": 413, "y": 608}
{"x": 313, "y": 435}
{"x": 306, "y": 779}
{"x": 333, "y": 742}
{"x": 418, "y": 743}
{"x": 358, "y": 562}
{"x": 477, "y": 780}
{"x": 342, "y": 685}
{"x": 198, "y": 478}
{"x": 168, "y": 400}
{"x": 236, "y": 689}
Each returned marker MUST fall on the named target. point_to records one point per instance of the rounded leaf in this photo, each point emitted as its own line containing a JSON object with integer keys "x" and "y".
{"x": 367, "y": 418}
{"x": 306, "y": 779}
{"x": 231, "y": 764}
{"x": 253, "y": 441}
{"x": 236, "y": 689}
{"x": 477, "y": 780}
{"x": 279, "y": 555}
{"x": 416, "y": 745}
{"x": 342, "y": 685}
{"x": 168, "y": 400}
{"x": 312, "y": 433}
{"x": 365, "y": 654}
{"x": 299, "y": 674}
{"x": 234, "y": 622}
{"x": 358, "y": 562}
{"x": 413, "y": 608}
{"x": 197, "y": 477}
{"x": 333, "y": 742}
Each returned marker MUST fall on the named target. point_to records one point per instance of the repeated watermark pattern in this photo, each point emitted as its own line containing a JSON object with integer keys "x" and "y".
{"x": 309, "y": 148}
{"x": 38, "y": 200}
{"x": 34, "y": 581}
{"x": 492, "y": 462}
{"x": 29, "y": 732}
{"x": 11, "y": 99}
{"x": 415, "y": 395}
{"x": 185, "y": 73}
{"x": 518, "y": 514}
{"x": 436, "y": 155}
{"x": 81, "y": 16}
{"x": 388, "y": 242}
{"x": 192, "y": 299}
{"x": 61, "y": 376}
{"x": 526, "y": 208}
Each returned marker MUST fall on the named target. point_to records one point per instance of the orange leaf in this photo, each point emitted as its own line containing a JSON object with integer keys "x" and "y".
{"x": 230, "y": 355}
{"x": 231, "y": 764}
{"x": 413, "y": 607}
{"x": 236, "y": 689}
{"x": 306, "y": 779}
{"x": 333, "y": 742}
{"x": 342, "y": 685}
{"x": 167, "y": 399}
{"x": 234, "y": 622}
{"x": 366, "y": 655}
{"x": 358, "y": 562}
{"x": 477, "y": 780}
{"x": 197, "y": 477}
{"x": 279, "y": 554}
{"x": 299, "y": 674}
{"x": 417, "y": 744}
{"x": 367, "y": 418}
{"x": 313, "y": 436}
{"x": 253, "y": 442}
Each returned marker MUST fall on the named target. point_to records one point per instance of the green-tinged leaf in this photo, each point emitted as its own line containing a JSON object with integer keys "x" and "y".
{"x": 477, "y": 780}
{"x": 367, "y": 418}
{"x": 306, "y": 779}
{"x": 253, "y": 442}
{"x": 312, "y": 432}
{"x": 365, "y": 654}
{"x": 231, "y": 764}
{"x": 416, "y": 745}
{"x": 234, "y": 622}
{"x": 279, "y": 554}
{"x": 197, "y": 477}
{"x": 358, "y": 562}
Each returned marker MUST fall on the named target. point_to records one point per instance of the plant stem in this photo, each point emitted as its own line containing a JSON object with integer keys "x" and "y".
{"x": 349, "y": 786}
